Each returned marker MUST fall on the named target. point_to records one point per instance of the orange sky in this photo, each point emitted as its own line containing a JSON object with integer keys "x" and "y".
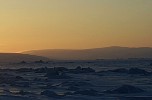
{"x": 74, "y": 24}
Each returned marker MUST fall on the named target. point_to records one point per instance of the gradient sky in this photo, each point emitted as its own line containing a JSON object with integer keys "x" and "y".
{"x": 74, "y": 24}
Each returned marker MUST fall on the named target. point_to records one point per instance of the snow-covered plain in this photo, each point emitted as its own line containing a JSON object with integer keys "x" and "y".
{"x": 77, "y": 80}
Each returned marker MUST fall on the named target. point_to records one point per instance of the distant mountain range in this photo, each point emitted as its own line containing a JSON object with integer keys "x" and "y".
{"x": 16, "y": 57}
{"x": 96, "y": 53}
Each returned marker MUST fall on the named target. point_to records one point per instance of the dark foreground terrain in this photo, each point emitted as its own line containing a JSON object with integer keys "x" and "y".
{"x": 77, "y": 80}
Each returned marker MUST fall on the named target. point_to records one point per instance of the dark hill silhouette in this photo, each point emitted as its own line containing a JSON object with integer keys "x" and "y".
{"x": 92, "y": 54}
{"x": 17, "y": 57}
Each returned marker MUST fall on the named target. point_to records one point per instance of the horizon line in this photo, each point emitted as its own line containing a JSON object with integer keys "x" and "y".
{"x": 77, "y": 49}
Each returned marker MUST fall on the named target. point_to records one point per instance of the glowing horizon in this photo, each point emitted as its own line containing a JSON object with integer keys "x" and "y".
{"x": 74, "y": 24}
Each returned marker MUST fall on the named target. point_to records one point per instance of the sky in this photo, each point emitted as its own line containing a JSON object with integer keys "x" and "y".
{"x": 74, "y": 24}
